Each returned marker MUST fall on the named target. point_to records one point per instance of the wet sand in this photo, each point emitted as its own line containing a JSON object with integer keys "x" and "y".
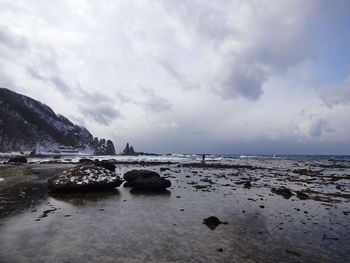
{"x": 126, "y": 226}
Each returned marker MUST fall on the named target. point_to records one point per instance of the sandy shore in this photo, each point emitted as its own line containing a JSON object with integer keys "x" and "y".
{"x": 264, "y": 224}
{"x": 24, "y": 186}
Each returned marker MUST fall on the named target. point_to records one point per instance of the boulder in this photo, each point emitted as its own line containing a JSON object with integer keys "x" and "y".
{"x": 106, "y": 164}
{"x": 285, "y": 192}
{"x": 212, "y": 222}
{"x": 85, "y": 160}
{"x": 84, "y": 177}
{"x": 145, "y": 180}
{"x": 134, "y": 174}
{"x": 301, "y": 195}
{"x": 18, "y": 159}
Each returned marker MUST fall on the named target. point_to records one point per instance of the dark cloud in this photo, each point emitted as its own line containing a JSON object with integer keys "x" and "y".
{"x": 175, "y": 74}
{"x": 318, "y": 127}
{"x": 93, "y": 97}
{"x": 102, "y": 114}
{"x": 153, "y": 102}
{"x": 249, "y": 41}
{"x": 60, "y": 85}
{"x": 245, "y": 81}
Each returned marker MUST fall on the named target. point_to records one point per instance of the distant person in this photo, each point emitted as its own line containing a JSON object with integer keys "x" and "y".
{"x": 203, "y": 158}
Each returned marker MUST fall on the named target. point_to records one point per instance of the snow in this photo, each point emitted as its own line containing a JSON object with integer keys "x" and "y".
{"x": 87, "y": 175}
{"x": 41, "y": 136}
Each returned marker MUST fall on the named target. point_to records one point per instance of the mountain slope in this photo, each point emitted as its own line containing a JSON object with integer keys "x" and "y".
{"x": 26, "y": 123}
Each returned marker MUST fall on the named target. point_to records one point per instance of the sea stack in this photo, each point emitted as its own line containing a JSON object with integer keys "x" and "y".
{"x": 128, "y": 150}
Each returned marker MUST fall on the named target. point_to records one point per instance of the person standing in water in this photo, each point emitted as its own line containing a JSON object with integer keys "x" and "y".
{"x": 203, "y": 158}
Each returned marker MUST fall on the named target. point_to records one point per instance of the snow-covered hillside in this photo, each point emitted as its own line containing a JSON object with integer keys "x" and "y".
{"x": 26, "y": 124}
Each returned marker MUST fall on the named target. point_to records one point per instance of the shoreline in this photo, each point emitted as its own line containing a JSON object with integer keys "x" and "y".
{"x": 297, "y": 223}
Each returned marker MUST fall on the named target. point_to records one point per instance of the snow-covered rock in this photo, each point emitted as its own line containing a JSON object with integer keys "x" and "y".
{"x": 85, "y": 177}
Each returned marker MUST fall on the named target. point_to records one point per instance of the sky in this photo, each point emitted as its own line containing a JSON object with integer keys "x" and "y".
{"x": 187, "y": 76}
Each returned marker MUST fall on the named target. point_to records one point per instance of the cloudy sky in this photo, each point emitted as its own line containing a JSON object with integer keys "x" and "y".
{"x": 224, "y": 76}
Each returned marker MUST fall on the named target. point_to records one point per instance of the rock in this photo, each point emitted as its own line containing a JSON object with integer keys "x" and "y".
{"x": 103, "y": 147}
{"x": 84, "y": 177}
{"x": 85, "y": 160}
{"x": 18, "y": 159}
{"x": 134, "y": 174}
{"x": 285, "y": 192}
{"x": 212, "y": 222}
{"x": 247, "y": 185}
{"x": 106, "y": 164}
{"x": 145, "y": 180}
{"x": 301, "y": 195}
{"x": 128, "y": 150}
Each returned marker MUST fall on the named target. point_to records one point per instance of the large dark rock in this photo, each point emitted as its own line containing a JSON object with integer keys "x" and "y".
{"x": 134, "y": 174}
{"x": 301, "y": 195}
{"x": 145, "y": 180}
{"x": 212, "y": 222}
{"x": 84, "y": 177}
{"x": 18, "y": 159}
{"x": 85, "y": 160}
{"x": 285, "y": 192}
{"x": 106, "y": 164}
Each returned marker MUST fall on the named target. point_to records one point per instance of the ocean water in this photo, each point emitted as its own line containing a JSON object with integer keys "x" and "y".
{"x": 188, "y": 158}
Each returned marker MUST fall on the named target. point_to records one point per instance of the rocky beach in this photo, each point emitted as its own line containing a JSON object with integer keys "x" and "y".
{"x": 223, "y": 210}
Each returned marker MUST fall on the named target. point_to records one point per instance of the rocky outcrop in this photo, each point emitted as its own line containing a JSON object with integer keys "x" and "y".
{"x": 84, "y": 177}
{"x": 28, "y": 124}
{"x": 128, "y": 150}
{"x": 103, "y": 147}
{"x": 18, "y": 159}
{"x": 145, "y": 180}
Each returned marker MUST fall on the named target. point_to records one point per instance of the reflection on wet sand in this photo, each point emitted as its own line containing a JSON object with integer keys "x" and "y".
{"x": 81, "y": 198}
{"x": 142, "y": 193}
